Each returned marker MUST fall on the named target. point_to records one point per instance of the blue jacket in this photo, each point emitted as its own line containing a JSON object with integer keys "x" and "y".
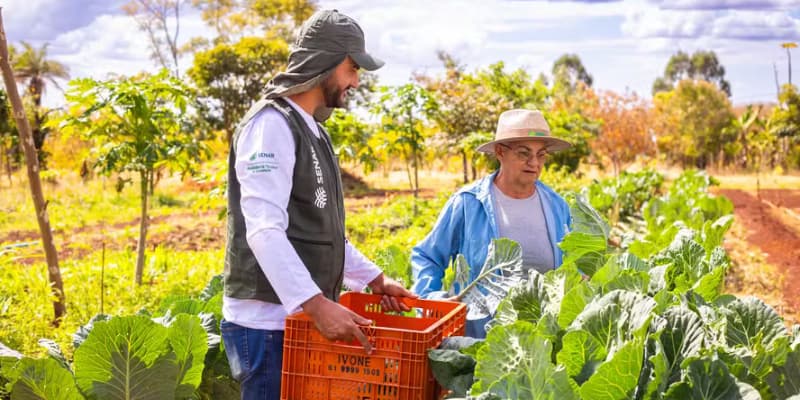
{"x": 466, "y": 226}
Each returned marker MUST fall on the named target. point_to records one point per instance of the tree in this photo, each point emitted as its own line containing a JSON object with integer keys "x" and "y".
{"x": 517, "y": 88}
{"x": 743, "y": 128}
{"x": 214, "y": 13}
{"x": 788, "y": 46}
{"x": 160, "y": 19}
{"x": 32, "y": 67}
{"x": 9, "y": 137}
{"x": 138, "y": 124}
{"x": 570, "y": 119}
{"x": 232, "y": 76}
{"x": 277, "y": 18}
{"x": 624, "y": 132}
{"x": 568, "y": 72}
{"x": 702, "y": 65}
{"x": 234, "y": 19}
{"x": 465, "y": 109}
{"x": 691, "y": 123}
{"x": 350, "y": 137}
{"x": 784, "y": 124}
{"x": 32, "y": 163}
{"x": 403, "y": 111}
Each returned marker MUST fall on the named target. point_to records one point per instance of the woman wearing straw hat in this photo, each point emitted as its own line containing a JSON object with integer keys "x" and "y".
{"x": 511, "y": 203}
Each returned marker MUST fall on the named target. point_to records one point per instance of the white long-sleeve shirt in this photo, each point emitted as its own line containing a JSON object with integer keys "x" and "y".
{"x": 264, "y": 201}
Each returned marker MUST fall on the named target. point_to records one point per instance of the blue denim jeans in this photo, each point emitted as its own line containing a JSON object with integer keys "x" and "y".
{"x": 255, "y": 357}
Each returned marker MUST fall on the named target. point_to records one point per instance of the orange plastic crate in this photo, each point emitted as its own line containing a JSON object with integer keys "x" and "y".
{"x": 315, "y": 368}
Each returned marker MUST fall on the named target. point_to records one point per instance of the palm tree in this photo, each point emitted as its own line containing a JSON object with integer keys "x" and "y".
{"x": 787, "y": 46}
{"x": 33, "y": 68}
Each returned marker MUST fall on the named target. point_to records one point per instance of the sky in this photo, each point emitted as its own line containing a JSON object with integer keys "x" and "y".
{"x": 624, "y": 45}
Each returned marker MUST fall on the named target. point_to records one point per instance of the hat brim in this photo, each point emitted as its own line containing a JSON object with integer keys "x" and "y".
{"x": 552, "y": 144}
{"x": 366, "y": 61}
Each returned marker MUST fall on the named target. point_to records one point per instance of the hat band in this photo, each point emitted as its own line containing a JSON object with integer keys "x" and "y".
{"x": 537, "y": 134}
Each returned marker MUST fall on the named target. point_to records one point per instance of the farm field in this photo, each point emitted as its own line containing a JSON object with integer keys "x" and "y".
{"x": 187, "y": 240}
{"x": 677, "y": 272}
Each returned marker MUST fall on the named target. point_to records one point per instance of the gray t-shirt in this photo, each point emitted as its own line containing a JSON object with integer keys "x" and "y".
{"x": 522, "y": 220}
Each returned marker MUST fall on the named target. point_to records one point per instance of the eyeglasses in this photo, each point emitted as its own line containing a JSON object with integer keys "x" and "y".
{"x": 525, "y": 155}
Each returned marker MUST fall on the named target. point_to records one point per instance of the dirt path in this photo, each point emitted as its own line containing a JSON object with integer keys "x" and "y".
{"x": 773, "y": 232}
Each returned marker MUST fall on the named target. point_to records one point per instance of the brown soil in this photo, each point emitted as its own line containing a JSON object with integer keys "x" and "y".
{"x": 180, "y": 231}
{"x": 775, "y": 236}
{"x": 187, "y": 231}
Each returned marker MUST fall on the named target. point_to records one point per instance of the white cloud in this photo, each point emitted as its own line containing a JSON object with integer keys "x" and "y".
{"x": 653, "y": 22}
{"x": 636, "y": 38}
{"x": 727, "y": 4}
{"x": 649, "y": 21}
{"x": 42, "y": 20}
{"x": 757, "y": 26}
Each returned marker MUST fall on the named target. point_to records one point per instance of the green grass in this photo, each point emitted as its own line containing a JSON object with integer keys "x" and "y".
{"x": 73, "y": 204}
{"x": 386, "y": 234}
{"x": 25, "y": 300}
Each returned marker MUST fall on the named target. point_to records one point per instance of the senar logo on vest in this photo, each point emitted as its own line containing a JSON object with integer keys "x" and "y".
{"x": 321, "y": 198}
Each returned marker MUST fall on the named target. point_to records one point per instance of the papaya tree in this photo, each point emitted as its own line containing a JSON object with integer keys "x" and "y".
{"x": 403, "y": 110}
{"x": 137, "y": 125}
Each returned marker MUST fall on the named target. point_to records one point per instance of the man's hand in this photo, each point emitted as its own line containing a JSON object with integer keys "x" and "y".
{"x": 336, "y": 322}
{"x": 391, "y": 290}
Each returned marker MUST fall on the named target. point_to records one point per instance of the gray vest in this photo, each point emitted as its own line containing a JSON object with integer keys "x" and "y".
{"x": 316, "y": 214}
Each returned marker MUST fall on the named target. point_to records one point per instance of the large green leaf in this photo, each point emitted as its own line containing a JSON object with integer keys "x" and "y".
{"x": 581, "y": 354}
{"x": 653, "y": 380}
{"x": 558, "y": 282}
{"x": 615, "y": 318}
{"x": 515, "y": 364}
{"x": 709, "y": 379}
{"x": 587, "y": 244}
{"x": 681, "y": 336}
{"x": 616, "y": 379}
{"x": 784, "y": 380}
{"x": 628, "y": 260}
{"x": 452, "y": 369}
{"x": 54, "y": 352}
{"x": 635, "y": 281}
{"x": 213, "y": 288}
{"x": 749, "y": 321}
{"x": 684, "y": 259}
{"x": 585, "y": 250}
{"x": 127, "y": 358}
{"x": 525, "y": 302}
{"x": 710, "y": 285}
{"x": 713, "y": 231}
{"x": 573, "y": 304}
{"x": 188, "y": 340}
{"x": 461, "y": 277}
{"x": 585, "y": 218}
{"x": 501, "y": 272}
{"x": 44, "y": 379}
{"x": 83, "y": 332}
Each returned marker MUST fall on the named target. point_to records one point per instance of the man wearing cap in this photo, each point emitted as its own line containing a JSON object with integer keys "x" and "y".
{"x": 511, "y": 203}
{"x": 286, "y": 249}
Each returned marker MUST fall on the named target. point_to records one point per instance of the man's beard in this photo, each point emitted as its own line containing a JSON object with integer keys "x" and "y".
{"x": 332, "y": 94}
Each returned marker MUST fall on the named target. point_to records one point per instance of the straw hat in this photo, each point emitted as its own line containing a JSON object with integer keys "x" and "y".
{"x": 517, "y": 125}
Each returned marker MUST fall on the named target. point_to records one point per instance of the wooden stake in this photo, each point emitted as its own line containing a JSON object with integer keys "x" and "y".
{"x": 32, "y": 161}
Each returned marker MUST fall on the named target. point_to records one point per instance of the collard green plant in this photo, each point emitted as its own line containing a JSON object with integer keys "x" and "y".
{"x": 177, "y": 355}
{"x": 650, "y": 323}
{"x": 501, "y": 271}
